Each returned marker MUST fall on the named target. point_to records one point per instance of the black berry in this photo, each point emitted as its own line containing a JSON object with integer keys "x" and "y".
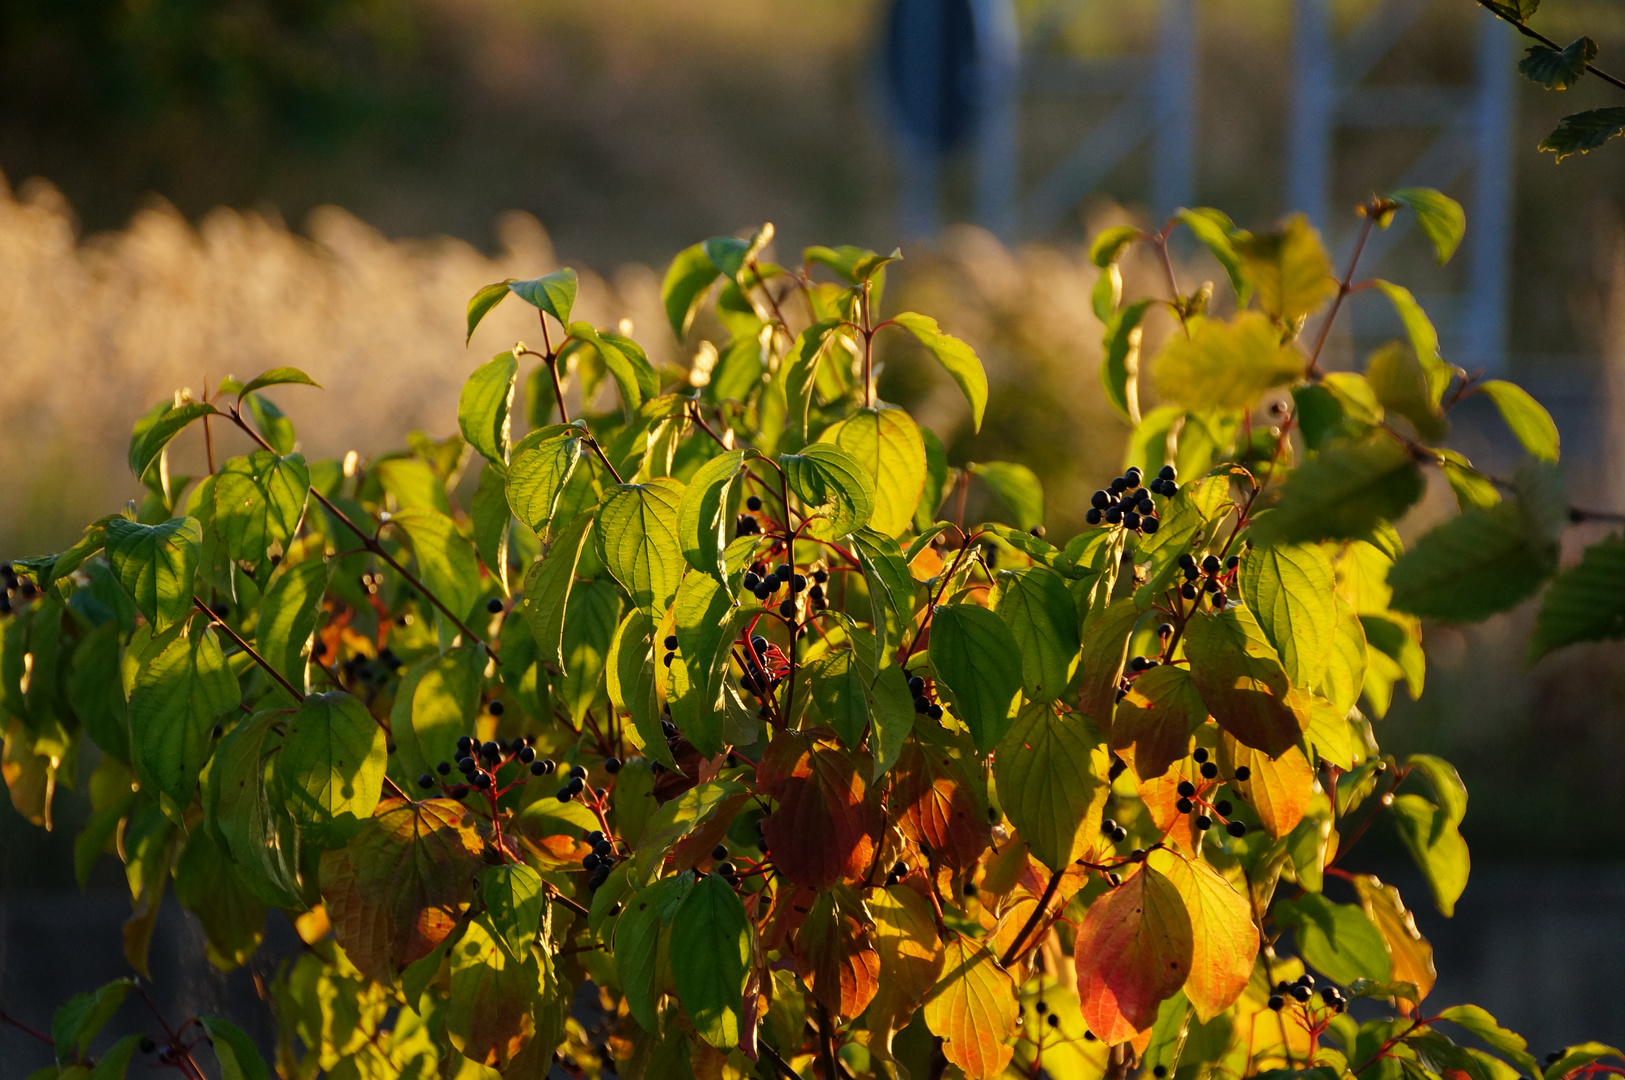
{"x": 577, "y": 772}
{"x": 1186, "y": 788}
{"x": 753, "y": 503}
{"x": 1203, "y": 823}
{"x": 494, "y": 604}
{"x": 788, "y": 609}
{"x": 1100, "y": 500}
{"x": 1092, "y": 517}
{"x": 1243, "y": 773}
{"x": 1236, "y": 828}
{"x": 496, "y": 708}
{"x": 527, "y": 755}
{"x": 444, "y": 768}
{"x": 612, "y": 765}
{"x": 426, "y": 781}
{"x": 1277, "y": 1002}
{"x": 1209, "y": 770}
{"x": 1199, "y": 755}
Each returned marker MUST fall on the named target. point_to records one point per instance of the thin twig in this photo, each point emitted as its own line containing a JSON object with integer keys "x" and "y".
{"x": 599, "y": 450}
{"x": 1343, "y": 286}
{"x": 1016, "y": 946}
{"x": 249, "y": 649}
{"x": 1529, "y": 32}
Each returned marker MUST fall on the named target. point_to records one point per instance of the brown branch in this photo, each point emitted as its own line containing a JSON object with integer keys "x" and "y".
{"x": 1016, "y": 946}
{"x": 1343, "y": 286}
{"x": 599, "y": 450}
{"x": 249, "y": 649}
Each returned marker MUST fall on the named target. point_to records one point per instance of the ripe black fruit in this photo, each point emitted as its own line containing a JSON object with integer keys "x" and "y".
{"x": 1236, "y": 828}
{"x": 538, "y": 768}
{"x": 1199, "y": 755}
{"x": 1277, "y": 1002}
{"x": 1243, "y": 773}
{"x": 1131, "y": 520}
{"x": 1093, "y": 516}
{"x": 426, "y": 781}
{"x": 1186, "y": 788}
{"x": 971, "y": 889}
{"x": 490, "y": 751}
{"x": 1203, "y": 823}
{"x": 1210, "y": 564}
{"x": 1148, "y": 525}
{"x": 1167, "y": 472}
{"x": 921, "y": 705}
{"x": 1222, "y": 806}
{"x": 782, "y": 571}
{"x": 494, "y": 604}
{"x": 1183, "y": 806}
{"x": 496, "y": 708}
{"x": 464, "y": 744}
{"x": 788, "y": 609}
{"x": 671, "y": 643}
{"x": 1100, "y": 500}
{"x": 1189, "y": 591}
{"x": 1160, "y": 1071}
{"x": 444, "y": 768}
{"x": 1108, "y": 826}
{"x": 577, "y": 772}
{"x": 1133, "y": 476}
{"x": 719, "y": 852}
{"x": 1041, "y": 1008}
{"x": 612, "y": 765}
{"x": 1147, "y": 507}
{"x": 466, "y": 765}
{"x": 916, "y": 685}
{"x": 527, "y": 755}
{"x": 726, "y": 869}
{"x": 1054, "y": 1020}
{"x": 1209, "y": 770}
{"x": 762, "y": 591}
{"x": 1301, "y": 993}
{"x": 936, "y": 712}
{"x": 753, "y": 503}
{"x": 482, "y": 780}
{"x": 590, "y": 861}
{"x": 749, "y": 581}
{"x": 603, "y": 847}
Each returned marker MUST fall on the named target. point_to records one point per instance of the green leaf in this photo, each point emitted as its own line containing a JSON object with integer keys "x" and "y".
{"x": 1240, "y": 678}
{"x": 288, "y": 616}
{"x": 1436, "y": 845}
{"x": 1050, "y": 772}
{"x": 1107, "y": 246}
{"x": 331, "y": 767}
{"x": 258, "y": 833}
{"x": 1216, "y": 232}
{"x": 634, "y": 375}
{"x": 801, "y": 369}
{"x": 437, "y": 701}
{"x": 1484, "y": 1026}
{"x": 1043, "y": 619}
{"x": 513, "y": 900}
{"x": 1517, "y": 11}
{"x": 630, "y": 673}
{"x": 710, "y": 958}
{"x": 702, "y": 516}
{"x": 1558, "y": 69}
{"x": 832, "y": 485}
{"x": 179, "y": 689}
{"x": 489, "y": 1010}
{"x": 1290, "y": 268}
{"x": 1107, "y": 293}
{"x": 1120, "y": 360}
{"x": 887, "y": 444}
{"x": 209, "y": 885}
{"x": 446, "y": 560}
{"x": 637, "y": 951}
{"x": 976, "y": 659}
{"x": 1423, "y": 337}
{"x": 838, "y": 689}
{"x": 1581, "y": 133}
{"x": 687, "y": 280}
{"x": 855, "y": 264}
{"x": 1441, "y": 218}
{"x": 955, "y": 356}
{"x": 638, "y": 541}
{"x": 239, "y": 1059}
{"x": 485, "y": 406}
{"x": 1017, "y": 487}
{"x": 156, "y": 565}
{"x": 79, "y": 1019}
{"x": 1586, "y": 602}
{"x": 1291, "y": 592}
{"x": 553, "y": 293}
{"x": 1339, "y": 940}
{"x": 1343, "y": 493}
{"x": 114, "y": 1064}
{"x": 282, "y": 376}
{"x": 589, "y": 630}
{"x": 154, "y": 431}
{"x": 1480, "y": 562}
{"x": 537, "y": 476}
{"x": 482, "y": 302}
{"x": 1577, "y": 1057}
{"x": 259, "y": 501}
{"x": 1158, "y": 717}
{"x": 1399, "y": 382}
{"x": 547, "y": 589}
{"x": 1224, "y": 365}
{"x": 1526, "y": 417}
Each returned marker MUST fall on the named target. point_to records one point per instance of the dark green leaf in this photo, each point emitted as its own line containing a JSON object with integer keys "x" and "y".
{"x": 1580, "y": 133}
{"x": 482, "y": 302}
{"x": 259, "y": 501}
{"x": 1043, "y": 619}
{"x": 1017, "y": 488}
{"x": 331, "y": 767}
{"x": 82, "y": 1016}
{"x": 114, "y": 1063}
{"x": 513, "y": 901}
{"x": 484, "y": 409}
{"x": 637, "y": 949}
{"x": 1241, "y": 679}
{"x": 1050, "y": 771}
{"x": 1586, "y": 602}
{"x": 553, "y": 293}
{"x": 1436, "y": 844}
{"x": 1120, "y": 362}
{"x": 637, "y": 379}
{"x": 976, "y": 659}
{"x": 1506, "y": 1043}
{"x": 638, "y": 541}
{"x": 547, "y": 589}
{"x": 955, "y": 356}
{"x": 182, "y": 684}
{"x": 1517, "y": 11}
{"x": 1338, "y": 939}
{"x": 710, "y": 957}
{"x": 1342, "y": 493}
{"x": 687, "y": 279}
{"x": 288, "y": 616}
{"x": 154, "y": 431}
{"x": 1558, "y": 69}
{"x": 282, "y": 376}
{"x": 1480, "y": 562}
{"x": 702, "y": 516}
{"x": 156, "y": 565}
{"x": 239, "y": 1059}
{"x": 537, "y": 478}
{"x": 256, "y": 829}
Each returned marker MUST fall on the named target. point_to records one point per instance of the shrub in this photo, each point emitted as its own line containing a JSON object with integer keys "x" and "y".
{"x": 716, "y": 703}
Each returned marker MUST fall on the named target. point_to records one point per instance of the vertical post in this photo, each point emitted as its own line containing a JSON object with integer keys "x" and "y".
{"x": 998, "y": 52}
{"x": 1314, "y": 97}
{"x": 1174, "y": 110}
{"x": 918, "y": 29}
{"x": 1489, "y": 234}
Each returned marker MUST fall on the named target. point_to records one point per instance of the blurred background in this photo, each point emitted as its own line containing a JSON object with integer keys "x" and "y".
{"x": 195, "y": 188}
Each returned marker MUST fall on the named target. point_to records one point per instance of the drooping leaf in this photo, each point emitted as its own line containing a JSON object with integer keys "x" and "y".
{"x": 258, "y": 503}
{"x": 911, "y": 957}
{"x": 79, "y": 1019}
{"x": 1224, "y": 939}
{"x": 281, "y": 376}
{"x": 702, "y": 517}
{"x": 1442, "y": 219}
{"x": 481, "y": 303}
{"x": 1017, "y": 488}
{"x": 1558, "y": 69}
{"x": 1339, "y": 940}
{"x": 826, "y": 824}
{"x": 1583, "y": 132}
{"x": 832, "y": 485}
{"x": 1105, "y": 647}
{"x": 835, "y": 956}
{"x": 489, "y": 1009}
{"x": 1043, "y": 620}
{"x": 436, "y": 701}
{"x": 1412, "y": 956}
{"x": 1480, "y": 562}
{"x": 243, "y": 807}
{"x": 1526, "y": 417}
{"x": 1278, "y": 789}
{"x": 1051, "y": 775}
{"x": 1506, "y": 1043}
{"x": 288, "y": 616}
{"x": 687, "y": 280}
{"x": 1585, "y": 602}
{"x": 1134, "y": 949}
{"x": 1436, "y": 844}
{"x": 1401, "y": 385}
{"x": 800, "y": 370}
{"x": 1240, "y": 677}
{"x": 156, "y": 565}
{"x": 513, "y": 903}
{"x": 485, "y": 407}
{"x": 637, "y": 948}
{"x": 331, "y": 767}
{"x": 553, "y": 293}
{"x": 1290, "y": 269}
{"x": 630, "y": 673}
{"x": 239, "y": 1057}
{"x": 887, "y": 444}
{"x": 446, "y": 561}
{"x": 638, "y": 541}
{"x": 956, "y": 357}
{"x": 710, "y": 956}
{"x": 1224, "y": 365}
{"x": 209, "y": 885}
{"x": 1120, "y": 360}
{"x": 1157, "y": 717}
{"x": 934, "y": 803}
{"x": 537, "y": 477}
{"x": 976, "y": 660}
{"x": 182, "y": 684}
{"x": 1108, "y": 245}
{"x": 891, "y": 590}
{"x": 1343, "y": 493}
{"x": 158, "y": 427}
{"x": 1289, "y": 589}
{"x": 634, "y": 376}
{"x": 548, "y": 586}
{"x": 973, "y": 1009}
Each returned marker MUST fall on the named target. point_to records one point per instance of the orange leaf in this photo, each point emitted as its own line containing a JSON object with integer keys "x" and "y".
{"x": 1223, "y": 935}
{"x": 1132, "y": 951}
{"x": 1279, "y": 789}
{"x": 1241, "y": 679}
{"x": 1411, "y": 953}
{"x": 1161, "y": 797}
{"x": 937, "y": 807}
{"x": 910, "y": 960}
{"x": 973, "y": 1009}
{"x": 835, "y": 956}
{"x": 825, "y": 827}
{"x": 1157, "y": 718}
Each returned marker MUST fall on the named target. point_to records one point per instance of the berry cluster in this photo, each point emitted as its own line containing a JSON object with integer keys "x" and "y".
{"x": 922, "y": 702}
{"x": 1209, "y": 576}
{"x": 1124, "y": 502}
{"x": 1194, "y": 800}
{"x": 763, "y": 584}
{"x": 765, "y": 667}
{"x": 1303, "y": 990}
{"x": 601, "y": 859}
{"x": 1138, "y": 665}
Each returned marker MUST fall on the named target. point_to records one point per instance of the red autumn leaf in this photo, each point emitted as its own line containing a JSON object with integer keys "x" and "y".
{"x": 936, "y": 807}
{"x": 835, "y": 954}
{"x": 826, "y": 825}
{"x": 1133, "y": 951}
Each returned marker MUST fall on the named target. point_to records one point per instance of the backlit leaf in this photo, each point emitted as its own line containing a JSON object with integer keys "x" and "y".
{"x": 331, "y": 766}
{"x": 973, "y": 1009}
{"x": 1583, "y": 132}
{"x": 1558, "y": 69}
{"x": 485, "y": 407}
{"x": 1278, "y": 789}
{"x": 702, "y": 517}
{"x": 156, "y": 565}
{"x": 1442, "y": 219}
{"x": 1105, "y": 647}
{"x": 1223, "y": 935}
{"x": 1158, "y": 717}
{"x": 1290, "y": 269}
{"x": 1290, "y": 591}
{"x": 1412, "y": 956}
{"x": 935, "y": 805}
{"x": 1017, "y": 488}
{"x": 239, "y": 1057}
{"x": 288, "y": 616}
{"x": 513, "y": 903}
{"x": 480, "y": 304}
{"x": 1436, "y": 844}
{"x": 887, "y": 444}
{"x": 1051, "y": 772}
{"x": 488, "y": 1011}
{"x": 710, "y": 955}
{"x": 637, "y": 540}
{"x": 1120, "y": 360}
{"x": 1480, "y": 562}
{"x": 181, "y": 686}
{"x": 1043, "y": 619}
{"x": 825, "y": 827}
{"x": 446, "y": 561}
{"x": 1134, "y": 949}
{"x": 911, "y": 957}
{"x": 1526, "y": 417}
{"x": 1241, "y": 679}
{"x": 956, "y": 357}
{"x": 1224, "y": 365}
{"x": 1400, "y": 383}
{"x": 258, "y": 503}
{"x": 553, "y": 293}
{"x": 158, "y": 426}
{"x": 1343, "y": 493}
{"x": 548, "y": 587}
{"x": 835, "y": 956}
{"x": 976, "y": 659}
{"x": 537, "y": 477}
{"x": 687, "y": 280}
{"x": 1338, "y": 940}
{"x": 833, "y": 487}
{"x": 1218, "y": 234}
{"x": 1586, "y": 602}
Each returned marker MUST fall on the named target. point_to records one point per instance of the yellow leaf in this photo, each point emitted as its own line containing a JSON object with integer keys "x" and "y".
{"x": 905, "y": 935}
{"x": 1224, "y": 937}
{"x": 1277, "y": 788}
{"x": 1411, "y": 953}
{"x": 973, "y": 1010}
{"x": 1224, "y": 365}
